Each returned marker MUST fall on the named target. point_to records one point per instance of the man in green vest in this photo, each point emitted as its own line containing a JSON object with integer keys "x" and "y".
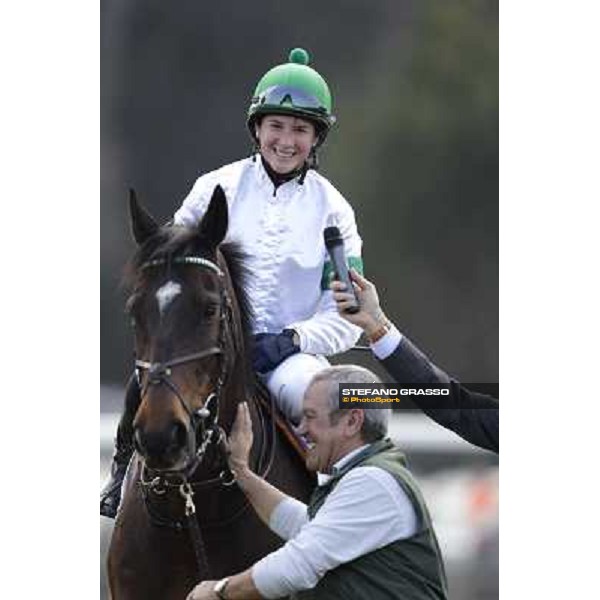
{"x": 366, "y": 533}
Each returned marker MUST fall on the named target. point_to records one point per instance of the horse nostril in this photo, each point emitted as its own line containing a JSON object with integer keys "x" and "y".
{"x": 164, "y": 447}
{"x": 155, "y": 444}
{"x": 180, "y": 435}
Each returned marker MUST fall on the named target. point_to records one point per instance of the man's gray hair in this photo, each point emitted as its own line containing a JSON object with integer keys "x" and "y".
{"x": 376, "y": 420}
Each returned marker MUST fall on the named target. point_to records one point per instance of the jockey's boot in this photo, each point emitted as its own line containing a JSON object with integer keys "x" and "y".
{"x": 110, "y": 496}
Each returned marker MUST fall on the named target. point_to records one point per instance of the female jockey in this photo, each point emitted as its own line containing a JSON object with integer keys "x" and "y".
{"x": 278, "y": 208}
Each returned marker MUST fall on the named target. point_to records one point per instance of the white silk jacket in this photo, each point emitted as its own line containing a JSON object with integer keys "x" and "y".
{"x": 281, "y": 230}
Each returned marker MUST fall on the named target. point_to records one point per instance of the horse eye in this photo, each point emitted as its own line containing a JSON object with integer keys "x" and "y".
{"x": 210, "y": 310}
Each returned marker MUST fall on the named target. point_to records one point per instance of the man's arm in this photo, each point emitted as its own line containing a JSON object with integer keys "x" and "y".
{"x": 262, "y": 495}
{"x": 471, "y": 415}
{"x": 346, "y": 527}
{"x": 264, "y": 498}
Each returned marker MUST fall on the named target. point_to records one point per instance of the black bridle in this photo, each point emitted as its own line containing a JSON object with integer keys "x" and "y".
{"x": 204, "y": 421}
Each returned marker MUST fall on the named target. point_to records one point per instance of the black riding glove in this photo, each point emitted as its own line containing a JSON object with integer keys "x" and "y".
{"x": 271, "y": 349}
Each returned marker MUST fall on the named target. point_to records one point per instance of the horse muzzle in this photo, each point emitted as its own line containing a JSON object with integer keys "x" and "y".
{"x": 168, "y": 449}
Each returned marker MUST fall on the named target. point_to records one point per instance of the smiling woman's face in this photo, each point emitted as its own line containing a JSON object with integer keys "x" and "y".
{"x": 285, "y": 141}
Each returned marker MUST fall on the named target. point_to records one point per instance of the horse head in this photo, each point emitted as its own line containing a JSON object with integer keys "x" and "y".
{"x": 189, "y": 336}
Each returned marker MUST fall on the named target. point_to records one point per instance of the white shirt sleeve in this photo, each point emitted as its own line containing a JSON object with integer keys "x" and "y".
{"x": 195, "y": 204}
{"x": 326, "y": 332}
{"x": 288, "y": 517}
{"x": 384, "y": 346}
{"x": 366, "y": 511}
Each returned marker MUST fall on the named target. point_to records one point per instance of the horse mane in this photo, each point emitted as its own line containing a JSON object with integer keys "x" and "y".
{"x": 177, "y": 240}
{"x": 236, "y": 260}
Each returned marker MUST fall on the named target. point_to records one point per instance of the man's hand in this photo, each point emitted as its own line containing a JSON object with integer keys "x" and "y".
{"x": 238, "y": 586}
{"x": 240, "y": 440}
{"x": 203, "y": 591}
{"x": 370, "y": 316}
{"x": 262, "y": 495}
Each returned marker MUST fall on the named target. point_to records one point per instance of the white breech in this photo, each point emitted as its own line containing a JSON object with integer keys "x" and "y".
{"x": 289, "y": 381}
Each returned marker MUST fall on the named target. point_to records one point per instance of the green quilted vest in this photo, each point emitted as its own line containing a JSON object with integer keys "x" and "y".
{"x": 408, "y": 569}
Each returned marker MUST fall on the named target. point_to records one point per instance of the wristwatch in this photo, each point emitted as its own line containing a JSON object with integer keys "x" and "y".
{"x": 219, "y": 588}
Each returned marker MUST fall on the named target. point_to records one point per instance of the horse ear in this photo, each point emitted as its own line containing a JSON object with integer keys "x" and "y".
{"x": 213, "y": 225}
{"x": 143, "y": 225}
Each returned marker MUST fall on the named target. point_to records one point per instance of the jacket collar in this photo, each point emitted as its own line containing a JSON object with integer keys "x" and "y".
{"x": 264, "y": 178}
{"x": 344, "y": 464}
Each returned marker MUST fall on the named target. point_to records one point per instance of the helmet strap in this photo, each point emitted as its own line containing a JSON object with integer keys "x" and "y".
{"x": 313, "y": 159}
{"x": 255, "y": 149}
{"x": 311, "y": 163}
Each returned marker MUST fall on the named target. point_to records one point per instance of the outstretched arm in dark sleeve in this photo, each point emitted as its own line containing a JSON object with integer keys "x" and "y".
{"x": 471, "y": 415}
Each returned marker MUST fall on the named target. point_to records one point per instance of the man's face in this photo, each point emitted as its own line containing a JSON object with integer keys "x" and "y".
{"x": 327, "y": 441}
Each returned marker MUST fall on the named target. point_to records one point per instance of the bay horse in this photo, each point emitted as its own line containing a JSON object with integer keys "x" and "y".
{"x": 182, "y": 518}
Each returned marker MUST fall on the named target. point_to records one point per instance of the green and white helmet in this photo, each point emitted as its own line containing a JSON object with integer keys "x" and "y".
{"x": 293, "y": 88}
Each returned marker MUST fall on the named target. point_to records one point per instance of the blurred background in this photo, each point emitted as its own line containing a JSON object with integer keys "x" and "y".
{"x": 415, "y": 151}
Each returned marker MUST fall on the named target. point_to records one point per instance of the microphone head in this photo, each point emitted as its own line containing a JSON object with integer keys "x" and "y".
{"x": 332, "y": 236}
